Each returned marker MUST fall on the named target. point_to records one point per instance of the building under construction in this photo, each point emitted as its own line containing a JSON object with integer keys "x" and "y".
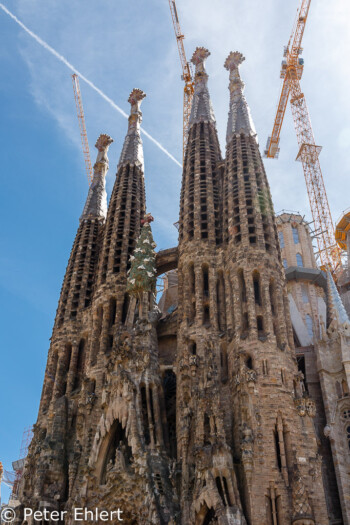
{"x": 229, "y": 402}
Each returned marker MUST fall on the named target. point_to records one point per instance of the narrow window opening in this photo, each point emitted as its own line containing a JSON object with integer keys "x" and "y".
{"x": 224, "y": 365}
{"x": 220, "y": 489}
{"x": 80, "y": 366}
{"x": 145, "y": 416}
{"x": 278, "y": 451}
{"x": 260, "y": 323}
{"x": 192, "y": 279}
{"x": 207, "y": 431}
{"x": 169, "y": 388}
{"x": 206, "y": 315}
{"x": 242, "y": 286}
{"x": 109, "y": 344}
{"x": 245, "y": 323}
{"x": 205, "y": 281}
{"x": 295, "y": 235}
{"x": 257, "y": 294}
{"x": 299, "y": 260}
{"x": 112, "y": 311}
{"x": 249, "y": 363}
{"x": 272, "y": 297}
{"x": 125, "y": 308}
{"x": 221, "y": 302}
{"x": 67, "y": 359}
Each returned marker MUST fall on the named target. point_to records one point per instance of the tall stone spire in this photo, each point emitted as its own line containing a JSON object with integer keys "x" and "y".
{"x": 127, "y": 203}
{"x": 261, "y": 347}
{"x": 132, "y": 151}
{"x": 202, "y": 110}
{"x": 96, "y": 202}
{"x": 77, "y": 288}
{"x": 239, "y": 120}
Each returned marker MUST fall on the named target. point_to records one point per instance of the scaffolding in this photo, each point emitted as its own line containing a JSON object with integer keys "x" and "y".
{"x": 12, "y": 478}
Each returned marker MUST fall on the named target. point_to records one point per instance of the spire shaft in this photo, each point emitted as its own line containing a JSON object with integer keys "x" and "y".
{"x": 239, "y": 120}
{"x": 202, "y": 110}
{"x": 132, "y": 152}
{"x": 96, "y": 202}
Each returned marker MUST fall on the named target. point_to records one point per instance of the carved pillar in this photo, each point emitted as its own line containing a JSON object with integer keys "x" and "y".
{"x": 282, "y": 449}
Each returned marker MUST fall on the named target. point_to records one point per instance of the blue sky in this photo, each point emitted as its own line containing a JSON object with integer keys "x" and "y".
{"x": 119, "y": 45}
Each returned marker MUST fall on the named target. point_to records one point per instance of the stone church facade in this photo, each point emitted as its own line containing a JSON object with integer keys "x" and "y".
{"x": 195, "y": 411}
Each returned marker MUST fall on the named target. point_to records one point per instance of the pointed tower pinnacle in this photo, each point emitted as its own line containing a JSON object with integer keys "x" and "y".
{"x": 335, "y": 305}
{"x": 96, "y": 202}
{"x": 202, "y": 110}
{"x": 239, "y": 120}
{"x": 132, "y": 151}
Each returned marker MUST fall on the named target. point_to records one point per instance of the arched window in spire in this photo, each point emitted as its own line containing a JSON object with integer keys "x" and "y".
{"x": 309, "y": 326}
{"x": 295, "y": 235}
{"x": 299, "y": 260}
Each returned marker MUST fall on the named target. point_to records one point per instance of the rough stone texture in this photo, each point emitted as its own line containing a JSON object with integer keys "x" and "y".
{"x": 307, "y": 287}
{"x": 194, "y": 413}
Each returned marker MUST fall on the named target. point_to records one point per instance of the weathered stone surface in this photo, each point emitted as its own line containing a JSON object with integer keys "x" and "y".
{"x": 195, "y": 412}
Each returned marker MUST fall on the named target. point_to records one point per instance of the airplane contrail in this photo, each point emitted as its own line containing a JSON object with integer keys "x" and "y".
{"x": 91, "y": 84}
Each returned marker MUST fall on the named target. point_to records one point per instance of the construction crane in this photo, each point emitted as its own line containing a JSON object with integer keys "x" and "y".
{"x": 291, "y": 72}
{"x": 187, "y": 75}
{"x": 83, "y": 134}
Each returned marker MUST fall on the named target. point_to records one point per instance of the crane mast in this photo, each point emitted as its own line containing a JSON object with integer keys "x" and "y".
{"x": 83, "y": 134}
{"x": 187, "y": 76}
{"x": 291, "y": 72}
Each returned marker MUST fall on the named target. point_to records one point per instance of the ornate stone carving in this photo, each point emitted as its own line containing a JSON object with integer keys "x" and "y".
{"x": 305, "y": 406}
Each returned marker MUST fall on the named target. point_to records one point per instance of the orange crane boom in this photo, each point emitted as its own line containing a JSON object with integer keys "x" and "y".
{"x": 291, "y": 72}
{"x": 186, "y": 73}
{"x": 83, "y": 134}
